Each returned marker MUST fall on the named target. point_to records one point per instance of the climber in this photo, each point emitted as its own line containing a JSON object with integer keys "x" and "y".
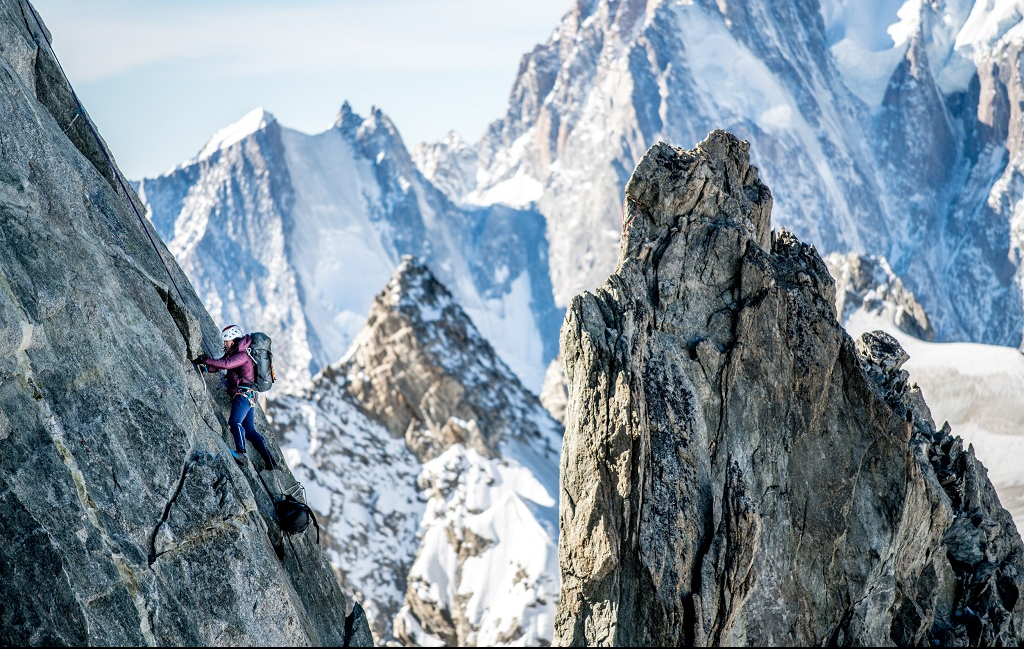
{"x": 239, "y": 382}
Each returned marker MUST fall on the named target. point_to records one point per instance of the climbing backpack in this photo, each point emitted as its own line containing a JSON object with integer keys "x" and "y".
{"x": 263, "y": 359}
{"x": 293, "y": 515}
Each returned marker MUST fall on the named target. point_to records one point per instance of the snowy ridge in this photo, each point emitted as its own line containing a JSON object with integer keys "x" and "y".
{"x": 507, "y": 584}
{"x": 889, "y": 127}
{"x": 253, "y": 121}
{"x": 422, "y": 422}
{"x": 224, "y": 217}
{"x": 869, "y": 39}
{"x": 291, "y": 234}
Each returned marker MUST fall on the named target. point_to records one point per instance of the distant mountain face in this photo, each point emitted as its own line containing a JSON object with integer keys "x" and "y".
{"x": 292, "y": 234}
{"x": 867, "y": 289}
{"x": 888, "y": 127}
{"x": 436, "y": 473}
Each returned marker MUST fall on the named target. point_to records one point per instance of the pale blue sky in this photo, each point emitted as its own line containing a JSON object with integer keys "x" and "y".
{"x": 160, "y": 77}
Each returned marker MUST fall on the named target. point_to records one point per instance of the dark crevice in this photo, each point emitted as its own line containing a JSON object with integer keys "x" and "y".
{"x": 179, "y": 315}
{"x": 689, "y": 606}
{"x": 153, "y": 555}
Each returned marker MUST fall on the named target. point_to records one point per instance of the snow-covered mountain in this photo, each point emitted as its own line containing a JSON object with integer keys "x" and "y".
{"x": 436, "y": 473}
{"x": 867, "y": 286}
{"x": 888, "y": 127}
{"x": 292, "y": 234}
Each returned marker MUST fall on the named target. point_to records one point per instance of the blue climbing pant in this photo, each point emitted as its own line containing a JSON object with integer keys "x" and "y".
{"x": 242, "y": 423}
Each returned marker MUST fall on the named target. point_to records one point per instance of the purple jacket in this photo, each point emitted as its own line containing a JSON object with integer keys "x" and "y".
{"x": 240, "y": 367}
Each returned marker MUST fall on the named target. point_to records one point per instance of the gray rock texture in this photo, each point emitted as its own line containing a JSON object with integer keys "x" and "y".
{"x": 736, "y": 469}
{"x": 122, "y": 519}
{"x": 422, "y": 368}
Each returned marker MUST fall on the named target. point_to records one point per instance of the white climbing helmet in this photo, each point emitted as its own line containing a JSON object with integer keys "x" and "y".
{"x": 231, "y": 332}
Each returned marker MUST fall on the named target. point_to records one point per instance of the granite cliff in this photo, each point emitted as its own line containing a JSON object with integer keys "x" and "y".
{"x": 736, "y": 469}
{"x": 123, "y": 521}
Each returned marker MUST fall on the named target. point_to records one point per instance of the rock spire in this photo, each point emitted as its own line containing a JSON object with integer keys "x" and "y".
{"x": 736, "y": 469}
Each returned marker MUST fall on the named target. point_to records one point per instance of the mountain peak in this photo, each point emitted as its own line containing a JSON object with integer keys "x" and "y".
{"x": 414, "y": 291}
{"x": 377, "y": 128}
{"x": 470, "y": 458}
{"x": 720, "y": 422}
{"x": 347, "y": 120}
{"x": 417, "y": 329}
{"x": 253, "y": 121}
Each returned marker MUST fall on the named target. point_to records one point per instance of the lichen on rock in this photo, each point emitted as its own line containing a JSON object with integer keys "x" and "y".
{"x": 736, "y": 469}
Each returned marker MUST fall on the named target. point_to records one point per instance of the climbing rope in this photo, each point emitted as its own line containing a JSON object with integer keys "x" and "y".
{"x": 110, "y": 161}
{"x": 120, "y": 181}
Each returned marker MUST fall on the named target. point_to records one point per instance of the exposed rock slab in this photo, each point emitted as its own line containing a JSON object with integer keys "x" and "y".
{"x": 736, "y": 470}
{"x": 122, "y": 519}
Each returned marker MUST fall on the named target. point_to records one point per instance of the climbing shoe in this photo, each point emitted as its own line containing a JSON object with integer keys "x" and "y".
{"x": 240, "y": 456}
{"x": 268, "y": 463}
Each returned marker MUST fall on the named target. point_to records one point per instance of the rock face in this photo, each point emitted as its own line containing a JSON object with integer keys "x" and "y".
{"x": 736, "y": 470}
{"x": 123, "y": 521}
{"x": 972, "y": 387}
{"x": 437, "y": 472}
